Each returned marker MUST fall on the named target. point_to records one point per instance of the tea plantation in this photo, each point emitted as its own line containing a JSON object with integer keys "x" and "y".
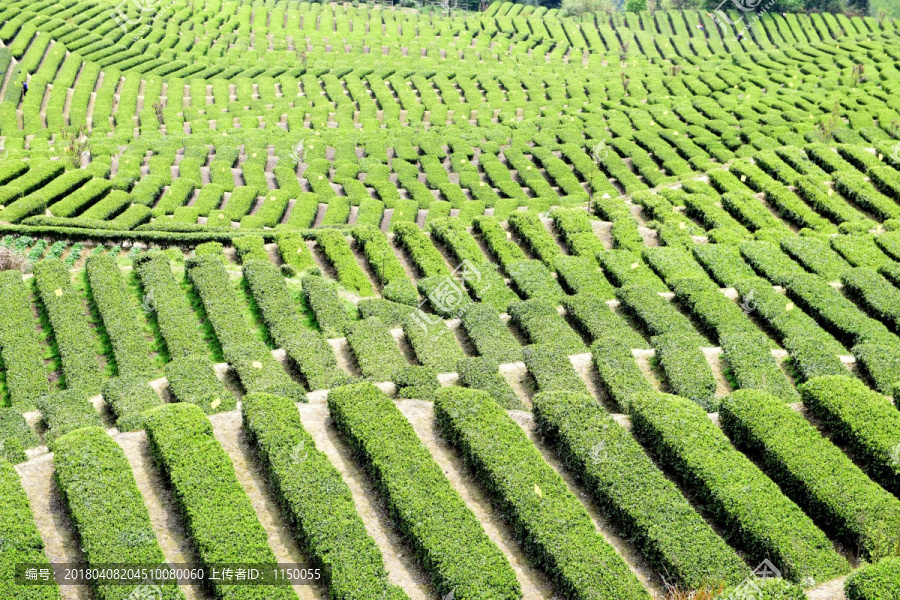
{"x": 428, "y": 303}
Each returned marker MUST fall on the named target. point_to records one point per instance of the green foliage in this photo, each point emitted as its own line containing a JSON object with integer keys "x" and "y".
{"x": 322, "y": 297}
{"x": 875, "y": 581}
{"x": 429, "y": 513}
{"x": 129, "y": 396}
{"x": 22, "y": 542}
{"x": 633, "y": 491}
{"x": 813, "y": 472}
{"x": 16, "y": 436}
{"x": 751, "y": 510}
{"x": 20, "y": 346}
{"x": 553, "y": 525}
{"x": 482, "y": 373}
{"x": 106, "y": 508}
{"x": 192, "y": 379}
{"x": 218, "y": 515}
{"x": 316, "y": 501}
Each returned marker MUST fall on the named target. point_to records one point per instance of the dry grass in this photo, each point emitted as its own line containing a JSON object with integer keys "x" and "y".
{"x": 674, "y": 593}
{"x": 10, "y": 260}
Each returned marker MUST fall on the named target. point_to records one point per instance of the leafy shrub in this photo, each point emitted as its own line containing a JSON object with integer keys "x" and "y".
{"x": 338, "y": 251}
{"x": 20, "y": 346}
{"x": 66, "y": 411}
{"x": 751, "y": 510}
{"x": 552, "y": 369}
{"x": 634, "y": 492}
{"x": 223, "y": 525}
{"x": 322, "y": 296}
{"x": 192, "y": 379}
{"x": 375, "y": 349}
{"x": 16, "y": 436}
{"x": 22, "y": 541}
{"x": 427, "y": 510}
{"x": 531, "y": 495}
{"x": 433, "y": 343}
{"x": 874, "y": 581}
{"x": 490, "y": 335}
{"x": 812, "y": 471}
{"x": 128, "y": 397}
{"x": 687, "y": 372}
{"x": 543, "y": 325}
{"x": 482, "y": 373}
{"x": 250, "y": 247}
{"x": 316, "y": 501}
{"x": 106, "y": 508}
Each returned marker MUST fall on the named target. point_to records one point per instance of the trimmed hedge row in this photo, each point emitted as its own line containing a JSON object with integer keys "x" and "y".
{"x": 71, "y": 332}
{"x": 316, "y": 501}
{"x": 575, "y": 227}
{"x": 490, "y": 335}
{"x": 554, "y": 528}
{"x": 308, "y": 349}
{"x": 877, "y": 581}
{"x": 349, "y": 273}
{"x": 634, "y": 493}
{"x": 16, "y": 435}
{"x": 497, "y": 239}
{"x": 875, "y": 293}
{"x": 294, "y": 252}
{"x": 542, "y": 324}
{"x": 375, "y": 349}
{"x": 620, "y": 375}
{"x": 687, "y": 373}
{"x": 250, "y": 247}
{"x": 835, "y": 312}
{"x": 552, "y": 370}
{"x": 192, "y": 379}
{"x": 862, "y": 420}
{"x": 528, "y": 227}
{"x": 391, "y": 314}
{"x": 20, "y": 346}
{"x": 119, "y": 313}
{"x": 129, "y": 396}
{"x": 656, "y": 314}
{"x": 21, "y": 541}
{"x": 172, "y": 312}
{"x": 255, "y": 366}
{"x": 66, "y": 411}
{"x": 449, "y": 541}
{"x": 597, "y": 320}
{"x": 106, "y": 508}
{"x": 625, "y": 268}
{"x": 532, "y": 279}
{"x": 387, "y": 267}
{"x": 580, "y": 275}
{"x": 217, "y": 513}
{"x": 753, "y": 513}
{"x": 433, "y": 343}
{"x": 421, "y": 251}
{"x": 813, "y": 472}
{"x": 322, "y": 297}
{"x": 482, "y": 373}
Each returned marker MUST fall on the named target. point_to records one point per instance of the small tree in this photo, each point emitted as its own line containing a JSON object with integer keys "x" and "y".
{"x": 158, "y": 110}
{"x": 76, "y": 144}
{"x": 635, "y": 5}
{"x": 623, "y": 52}
{"x": 448, "y": 6}
{"x": 626, "y": 81}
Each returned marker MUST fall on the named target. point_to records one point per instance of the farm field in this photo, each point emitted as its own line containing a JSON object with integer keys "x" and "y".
{"x": 437, "y": 304}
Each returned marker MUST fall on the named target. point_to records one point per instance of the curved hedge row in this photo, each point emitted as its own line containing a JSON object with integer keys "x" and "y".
{"x": 20, "y": 346}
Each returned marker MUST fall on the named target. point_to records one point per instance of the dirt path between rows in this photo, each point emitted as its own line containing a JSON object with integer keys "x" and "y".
{"x": 52, "y": 519}
{"x": 164, "y": 517}
{"x": 398, "y": 558}
{"x": 535, "y": 585}
{"x": 229, "y": 431}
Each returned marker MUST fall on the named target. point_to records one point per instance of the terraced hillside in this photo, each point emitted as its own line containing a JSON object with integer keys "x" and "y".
{"x": 468, "y": 306}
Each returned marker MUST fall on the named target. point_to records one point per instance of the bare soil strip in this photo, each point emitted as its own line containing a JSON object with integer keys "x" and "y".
{"x": 164, "y": 517}
{"x": 52, "y": 519}
{"x": 421, "y": 415}
{"x": 399, "y": 559}
{"x": 230, "y": 433}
